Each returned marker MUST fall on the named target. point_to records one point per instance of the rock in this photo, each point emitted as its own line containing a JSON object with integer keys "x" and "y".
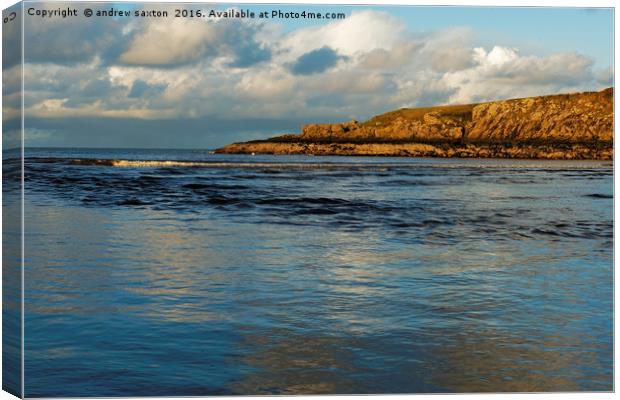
{"x": 572, "y": 118}
{"x": 327, "y": 132}
{"x": 566, "y": 126}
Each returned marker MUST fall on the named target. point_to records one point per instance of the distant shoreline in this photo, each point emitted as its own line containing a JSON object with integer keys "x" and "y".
{"x": 575, "y": 152}
{"x": 575, "y": 126}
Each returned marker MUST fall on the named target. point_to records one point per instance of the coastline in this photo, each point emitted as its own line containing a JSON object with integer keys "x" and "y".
{"x": 576, "y": 126}
{"x": 574, "y": 152}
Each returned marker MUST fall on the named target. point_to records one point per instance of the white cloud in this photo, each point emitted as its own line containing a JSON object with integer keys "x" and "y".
{"x": 498, "y": 56}
{"x": 361, "y": 32}
{"x": 401, "y": 54}
{"x": 165, "y": 42}
{"x": 237, "y": 69}
{"x": 503, "y": 73}
{"x": 266, "y": 84}
{"x": 448, "y": 50}
{"x": 176, "y": 42}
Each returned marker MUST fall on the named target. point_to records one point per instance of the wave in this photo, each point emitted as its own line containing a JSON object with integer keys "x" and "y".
{"x": 411, "y": 202}
{"x": 216, "y": 164}
{"x": 375, "y": 166}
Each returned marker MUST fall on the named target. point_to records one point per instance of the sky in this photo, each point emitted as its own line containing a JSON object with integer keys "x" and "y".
{"x": 203, "y": 83}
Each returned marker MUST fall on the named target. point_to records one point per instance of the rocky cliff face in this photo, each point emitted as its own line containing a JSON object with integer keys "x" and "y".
{"x": 578, "y": 125}
{"x": 569, "y": 118}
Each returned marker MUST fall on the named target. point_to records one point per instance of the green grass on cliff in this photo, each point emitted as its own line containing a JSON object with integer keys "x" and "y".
{"x": 462, "y": 112}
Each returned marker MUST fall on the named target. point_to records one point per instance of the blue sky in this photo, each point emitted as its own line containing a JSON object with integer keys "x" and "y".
{"x": 118, "y": 82}
{"x": 539, "y": 29}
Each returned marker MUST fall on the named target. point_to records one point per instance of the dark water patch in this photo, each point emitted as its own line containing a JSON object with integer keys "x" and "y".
{"x": 316, "y": 211}
{"x": 11, "y": 177}
{"x": 303, "y": 200}
{"x": 222, "y": 200}
{"x": 323, "y": 205}
{"x": 516, "y": 181}
{"x": 583, "y": 173}
{"x": 517, "y": 197}
{"x": 197, "y": 186}
{"x": 573, "y": 230}
{"x": 132, "y": 202}
{"x": 151, "y": 178}
{"x": 417, "y": 182}
{"x": 171, "y": 171}
{"x": 214, "y": 186}
{"x": 600, "y": 196}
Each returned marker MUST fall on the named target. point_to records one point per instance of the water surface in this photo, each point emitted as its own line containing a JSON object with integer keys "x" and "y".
{"x": 298, "y": 275}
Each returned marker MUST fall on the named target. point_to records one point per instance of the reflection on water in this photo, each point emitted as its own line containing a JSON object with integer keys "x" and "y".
{"x": 11, "y": 278}
{"x": 422, "y": 277}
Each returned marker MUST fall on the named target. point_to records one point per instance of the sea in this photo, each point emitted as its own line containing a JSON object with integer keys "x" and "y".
{"x": 189, "y": 273}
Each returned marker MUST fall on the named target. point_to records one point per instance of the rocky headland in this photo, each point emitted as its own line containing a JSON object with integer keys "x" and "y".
{"x": 565, "y": 126}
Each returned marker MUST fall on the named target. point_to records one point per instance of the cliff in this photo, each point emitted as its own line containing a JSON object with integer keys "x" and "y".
{"x": 566, "y": 126}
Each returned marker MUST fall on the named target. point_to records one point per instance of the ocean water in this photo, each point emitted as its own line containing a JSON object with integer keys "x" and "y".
{"x": 222, "y": 274}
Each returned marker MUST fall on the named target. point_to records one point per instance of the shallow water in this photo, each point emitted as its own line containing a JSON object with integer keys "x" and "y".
{"x": 290, "y": 275}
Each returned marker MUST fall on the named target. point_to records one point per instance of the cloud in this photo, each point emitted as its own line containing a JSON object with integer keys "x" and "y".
{"x": 448, "y": 50}
{"x": 266, "y": 85}
{"x": 605, "y": 77}
{"x": 399, "y": 55}
{"x": 451, "y": 59}
{"x": 11, "y": 81}
{"x": 316, "y": 61}
{"x": 187, "y": 70}
{"x": 72, "y": 40}
{"x": 361, "y": 32}
{"x": 172, "y": 43}
{"x": 141, "y": 88}
{"x": 11, "y": 38}
{"x": 503, "y": 72}
{"x": 246, "y": 49}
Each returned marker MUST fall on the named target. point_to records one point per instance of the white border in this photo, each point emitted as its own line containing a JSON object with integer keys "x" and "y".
{"x": 505, "y": 3}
